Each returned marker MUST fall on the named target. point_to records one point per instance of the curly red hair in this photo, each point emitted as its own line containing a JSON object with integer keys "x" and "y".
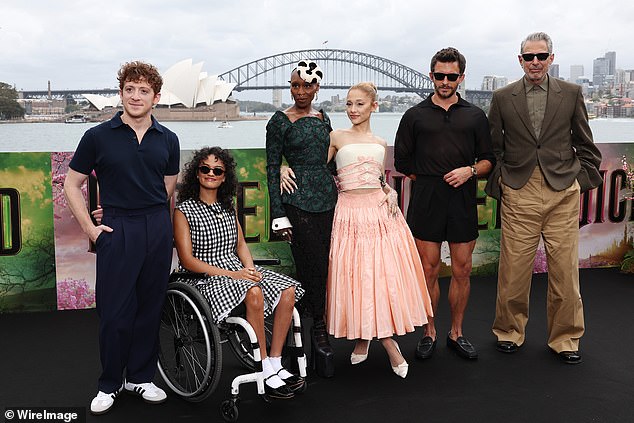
{"x": 139, "y": 71}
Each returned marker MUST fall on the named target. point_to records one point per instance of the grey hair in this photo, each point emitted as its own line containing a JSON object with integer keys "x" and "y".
{"x": 538, "y": 36}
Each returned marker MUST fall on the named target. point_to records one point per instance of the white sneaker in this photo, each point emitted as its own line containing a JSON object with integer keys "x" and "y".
{"x": 103, "y": 402}
{"x": 148, "y": 391}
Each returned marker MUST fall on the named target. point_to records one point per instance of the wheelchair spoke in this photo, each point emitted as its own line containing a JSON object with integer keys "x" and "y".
{"x": 173, "y": 314}
{"x": 191, "y": 355}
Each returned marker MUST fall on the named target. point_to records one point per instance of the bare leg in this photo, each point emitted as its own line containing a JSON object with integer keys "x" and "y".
{"x": 429, "y": 253}
{"x": 254, "y": 301}
{"x": 460, "y": 285}
{"x": 282, "y": 321}
{"x": 393, "y": 352}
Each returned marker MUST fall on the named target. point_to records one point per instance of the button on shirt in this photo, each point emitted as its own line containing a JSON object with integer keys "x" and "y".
{"x": 536, "y": 97}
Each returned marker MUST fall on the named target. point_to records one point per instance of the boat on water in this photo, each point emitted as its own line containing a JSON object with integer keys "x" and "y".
{"x": 224, "y": 124}
{"x": 76, "y": 119}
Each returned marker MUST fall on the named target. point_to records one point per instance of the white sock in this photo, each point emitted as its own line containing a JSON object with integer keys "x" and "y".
{"x": 276, "y": 363}
{"x": 272, "y": 379}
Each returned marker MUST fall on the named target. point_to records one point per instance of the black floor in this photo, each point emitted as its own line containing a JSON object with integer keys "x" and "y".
{"x": 51, "y": 360}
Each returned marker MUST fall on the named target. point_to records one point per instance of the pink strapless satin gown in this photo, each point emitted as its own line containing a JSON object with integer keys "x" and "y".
{"x": 376, "y": 286}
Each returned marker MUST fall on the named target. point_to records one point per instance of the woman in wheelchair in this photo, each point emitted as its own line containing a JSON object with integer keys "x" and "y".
{"x": 209, "y": 240}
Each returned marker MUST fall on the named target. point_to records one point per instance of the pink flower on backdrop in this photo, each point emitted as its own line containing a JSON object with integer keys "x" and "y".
{"x": 74, "y": 294}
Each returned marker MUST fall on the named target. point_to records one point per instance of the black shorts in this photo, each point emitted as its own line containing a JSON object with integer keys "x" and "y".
{"x": 438, "y": 212}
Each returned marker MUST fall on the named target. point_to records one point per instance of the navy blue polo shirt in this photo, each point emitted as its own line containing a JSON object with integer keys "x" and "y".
{"x": 130, "y": 174}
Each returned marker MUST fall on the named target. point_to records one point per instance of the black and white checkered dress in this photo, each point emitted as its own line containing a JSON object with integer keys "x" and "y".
{"x": 214, "y": 233}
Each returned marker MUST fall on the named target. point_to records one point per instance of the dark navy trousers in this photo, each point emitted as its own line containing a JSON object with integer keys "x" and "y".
{"x": 133, "y": 265}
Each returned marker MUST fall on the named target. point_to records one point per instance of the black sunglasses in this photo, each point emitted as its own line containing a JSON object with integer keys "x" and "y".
{"x": 439, "y": 76}
{"x": 218, "y": 171}
{"x": 528, "y": 57}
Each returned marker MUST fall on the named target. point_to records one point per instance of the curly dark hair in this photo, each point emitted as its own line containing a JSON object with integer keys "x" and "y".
{"x": 138, "y": 71}
{"x": 190, "y": 188}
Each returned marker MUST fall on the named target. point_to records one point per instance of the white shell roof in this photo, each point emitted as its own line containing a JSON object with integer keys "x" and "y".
{"x": 183, "y": 84}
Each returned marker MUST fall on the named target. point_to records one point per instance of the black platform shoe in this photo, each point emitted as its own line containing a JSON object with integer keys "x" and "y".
{"x": 322, "y": 355}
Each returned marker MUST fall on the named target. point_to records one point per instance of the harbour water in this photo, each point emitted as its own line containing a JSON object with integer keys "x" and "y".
{"x": 242, "y": 134}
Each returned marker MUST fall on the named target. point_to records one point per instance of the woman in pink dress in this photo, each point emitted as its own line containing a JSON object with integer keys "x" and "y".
{"x": 376, "y": 286}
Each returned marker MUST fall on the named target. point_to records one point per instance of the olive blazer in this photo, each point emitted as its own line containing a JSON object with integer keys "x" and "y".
{"x": 564, "y": 149}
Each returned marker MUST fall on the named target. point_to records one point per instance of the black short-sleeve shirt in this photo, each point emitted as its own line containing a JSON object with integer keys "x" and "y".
{"x": 130, "y": 174}
{"x": 432, "y": 141}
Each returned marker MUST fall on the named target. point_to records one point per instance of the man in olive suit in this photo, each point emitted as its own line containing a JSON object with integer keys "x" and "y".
{"x": 545, "y": 158}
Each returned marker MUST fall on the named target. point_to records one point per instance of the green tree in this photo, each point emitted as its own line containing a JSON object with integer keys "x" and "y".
{"x": 9, "y": 107}
{"x": 248, "y": 106}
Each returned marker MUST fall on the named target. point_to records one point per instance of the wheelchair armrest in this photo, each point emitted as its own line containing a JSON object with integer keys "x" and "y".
{"x": 267, "y": 262}
{"x": 187, "y": 275}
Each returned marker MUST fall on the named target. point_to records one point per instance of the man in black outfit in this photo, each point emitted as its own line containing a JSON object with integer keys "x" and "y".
{"x": 443, "y": 145}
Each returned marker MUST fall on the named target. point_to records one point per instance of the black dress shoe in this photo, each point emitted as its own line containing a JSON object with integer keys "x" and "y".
{"x": 283, "y": 392}
{"x": 570, "y": 357}
{"x": 506, "y": 346}
{"x": 462, "y": 347}
{"x": 425, "y": 348}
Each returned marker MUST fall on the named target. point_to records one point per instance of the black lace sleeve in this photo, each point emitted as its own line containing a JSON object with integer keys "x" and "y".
{"x": 275, "y": 130}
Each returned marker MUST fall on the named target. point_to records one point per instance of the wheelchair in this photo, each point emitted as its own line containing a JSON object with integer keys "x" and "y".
{"x": 190, "y": 350}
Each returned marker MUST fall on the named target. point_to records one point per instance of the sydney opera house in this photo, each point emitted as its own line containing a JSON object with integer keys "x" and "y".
{"x": 187, "y": 94}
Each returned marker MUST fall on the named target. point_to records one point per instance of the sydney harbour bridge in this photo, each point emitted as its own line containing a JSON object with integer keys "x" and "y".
{"x": 342, "y": 68}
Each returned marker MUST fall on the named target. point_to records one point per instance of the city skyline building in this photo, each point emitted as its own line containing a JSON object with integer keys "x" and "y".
{"x": 610, "y": 56}
{"x": 493, "y": 82}
{"x": 553, "y": 70}
{"x": 576, "y": 72}
{"x": 599, "y": 71}
{"x": 603, "y": 70}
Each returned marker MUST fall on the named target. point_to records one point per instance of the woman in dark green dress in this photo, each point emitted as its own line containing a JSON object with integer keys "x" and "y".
{"x": 301, "y": 135}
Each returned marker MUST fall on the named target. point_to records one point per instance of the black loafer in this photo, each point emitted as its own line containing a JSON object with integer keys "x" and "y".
{"x": 283, "y": 392}
{"x": 508, "y": 347}
{"x": 462, "y": 347}
{"x": 425, "y": 348}
{"x": 295, "y": 383}
{"x": 570, "y": 357}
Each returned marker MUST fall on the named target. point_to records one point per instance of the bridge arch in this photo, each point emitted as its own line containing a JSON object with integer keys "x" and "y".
{"x": 387, "y": 74}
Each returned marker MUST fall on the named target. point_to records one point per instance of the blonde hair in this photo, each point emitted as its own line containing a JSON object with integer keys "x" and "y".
{"x": 367, "y": 87}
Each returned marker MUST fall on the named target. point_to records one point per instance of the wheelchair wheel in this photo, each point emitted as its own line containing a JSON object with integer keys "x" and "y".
{"x": 229, "y": 410}
{"x": 190, "y": 355}
{"x": 241, "y": 345}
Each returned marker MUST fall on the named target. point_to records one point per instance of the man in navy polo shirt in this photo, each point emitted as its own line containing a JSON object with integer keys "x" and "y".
{"x": 136, "y": 161}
